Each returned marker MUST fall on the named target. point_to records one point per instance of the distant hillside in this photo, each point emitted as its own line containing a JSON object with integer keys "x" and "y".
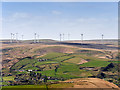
{"x": 7, "y": 41}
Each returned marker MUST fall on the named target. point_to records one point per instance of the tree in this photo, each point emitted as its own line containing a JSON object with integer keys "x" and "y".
{"x": 45, "y": 79}
{"x": 28, "y": 79}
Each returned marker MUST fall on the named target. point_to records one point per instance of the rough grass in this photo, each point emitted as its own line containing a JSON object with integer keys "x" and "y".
{"x": 75, "y": 60}
{"x": 89, "y": 52}
{"x": 52, "y": 55}
{"x": 90, "y": 57}
{"x": 62, "y": 58}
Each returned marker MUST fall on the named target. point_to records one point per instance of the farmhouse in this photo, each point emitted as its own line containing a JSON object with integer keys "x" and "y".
{"x": 42, "y": 60}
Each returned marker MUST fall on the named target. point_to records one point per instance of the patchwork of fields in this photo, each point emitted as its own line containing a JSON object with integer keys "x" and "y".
{"x": 57, "y": 62}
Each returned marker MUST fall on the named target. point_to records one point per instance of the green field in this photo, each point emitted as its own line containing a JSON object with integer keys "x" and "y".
{"x": 25, "y": 86}
{"x": 68, "y": 65}
{"x": 75, "y": 60}
{"x": 53, "y": 55}
{"x": 8, "y": 78}
{"x": 23, "y": 63}
{"x": 59, "y": 85}
{"x": 95, "y": 63}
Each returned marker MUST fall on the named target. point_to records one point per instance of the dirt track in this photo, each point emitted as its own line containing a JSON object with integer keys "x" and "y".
{"x": 92, "y": 83}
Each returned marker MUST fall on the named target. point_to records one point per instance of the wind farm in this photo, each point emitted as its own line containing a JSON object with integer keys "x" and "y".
{"x": 51, "y": 45}
{"x": 54, "y": 61}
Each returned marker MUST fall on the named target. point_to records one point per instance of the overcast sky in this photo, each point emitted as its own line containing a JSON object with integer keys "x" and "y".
{"x": 49, "y": 19}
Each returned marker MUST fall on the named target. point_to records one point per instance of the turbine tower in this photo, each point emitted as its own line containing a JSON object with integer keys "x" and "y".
{"x": 22, "y": 37}
{"x": 16, "y": 37}
{"x": 38, "y": 38}
{"x": 63, "y": 36}
{"x": 13, "y": 37}
{"x": 35, "y": 38}
{"x": 11, "y": 40}
{"x": 82, "y": 37}
{"x": 102, "y": 38}
{"x": 60, "y": 36}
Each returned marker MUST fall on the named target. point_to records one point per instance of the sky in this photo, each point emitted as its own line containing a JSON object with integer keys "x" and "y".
{"x": 49, "y": 19}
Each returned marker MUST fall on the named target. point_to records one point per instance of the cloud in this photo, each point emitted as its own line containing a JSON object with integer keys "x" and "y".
{"x": 20, "y": 15}
{"x": 56, "y": 12}
{"x": 17, "y": 16}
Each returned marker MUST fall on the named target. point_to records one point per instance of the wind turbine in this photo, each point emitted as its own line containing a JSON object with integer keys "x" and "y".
{"x": 38, "y": 38}
{"x": 35, "y": 37}
{"x": 13, "y": 36}
{"x": 63, "y": 36}
{"x": 22, "y": 37}
{"x": 82, "y": 37}
{"x": 102, "y": 38}
{"x": 11, "y": 40}
{"x": 60, "y": 36}
{"x": 16, "y": 37}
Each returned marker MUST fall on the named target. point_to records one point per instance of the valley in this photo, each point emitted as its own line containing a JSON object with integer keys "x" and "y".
{"x": 50, "y": 62}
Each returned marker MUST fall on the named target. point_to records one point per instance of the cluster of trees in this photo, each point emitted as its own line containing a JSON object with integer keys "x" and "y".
{"x": 30, "y": 79}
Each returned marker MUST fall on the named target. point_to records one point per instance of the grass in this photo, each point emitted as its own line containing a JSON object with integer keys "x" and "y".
{"x": 46, "y": 62}
{"x": 89, "y": 52}
{"x": 52, "y": 80}
{"x": 68, "y": 65}
{"x": 62, "y": 58}
{"x": 24, "y": 63}
{"x": 48, "y": 72}
{"x": 31, "y": 68}
{"x": 59, "y": 85}
{"x": 25, "y": 86}
{"x": 75, "y": 60}
{"x": 8, "y": 78}
{"x": 115, "y": 61}
{"x": 4, "y": 83}
{"x": 95, "y": 63}
{"x": 69, "y": 70}
{"x": 52, "y": 55}
{"x": 65, "y": 70}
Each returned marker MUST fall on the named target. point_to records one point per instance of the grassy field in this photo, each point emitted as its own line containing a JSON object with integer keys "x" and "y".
{"x": 68, "y": 65}
{"x": 75, "y": 60}
{"x": 23, "y": 63}
{"x": 25, "y": 86}
{"x": 8, "y": 78}
{"x": 95, "y": 63}
{"x": 59, "y": 85}
{"x": 53, "y": 55}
